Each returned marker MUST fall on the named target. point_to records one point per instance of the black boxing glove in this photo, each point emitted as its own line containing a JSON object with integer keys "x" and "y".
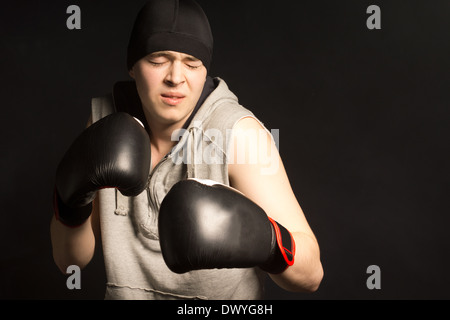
{"x": 112, "y": 152}
{"x": 215, "y": 226}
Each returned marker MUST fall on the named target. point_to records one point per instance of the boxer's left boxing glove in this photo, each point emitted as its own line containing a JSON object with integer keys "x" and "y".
{"x": 112, "y": 152}
{"x": 215, "y": 226}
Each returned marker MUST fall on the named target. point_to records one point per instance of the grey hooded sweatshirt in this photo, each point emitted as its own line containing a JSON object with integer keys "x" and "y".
{"x": 135, "y": 268}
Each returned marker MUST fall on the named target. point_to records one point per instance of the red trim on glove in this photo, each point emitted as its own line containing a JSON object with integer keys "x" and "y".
{"x": 285, "y": 242}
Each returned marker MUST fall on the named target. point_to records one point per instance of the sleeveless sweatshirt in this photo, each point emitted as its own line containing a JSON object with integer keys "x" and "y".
{"x": 135, "y": 268}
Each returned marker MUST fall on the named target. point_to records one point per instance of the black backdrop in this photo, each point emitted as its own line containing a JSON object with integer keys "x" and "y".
{"x": 363, "y": 119}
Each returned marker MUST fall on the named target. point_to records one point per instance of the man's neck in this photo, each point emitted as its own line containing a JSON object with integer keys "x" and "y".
{"x": 163, "y": 137}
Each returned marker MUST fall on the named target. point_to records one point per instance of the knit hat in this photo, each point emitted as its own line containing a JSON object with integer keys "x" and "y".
{"x": 173, "y": 25}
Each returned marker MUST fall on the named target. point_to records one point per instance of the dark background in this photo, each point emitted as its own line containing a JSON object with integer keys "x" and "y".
{"x": 363, "y": 118}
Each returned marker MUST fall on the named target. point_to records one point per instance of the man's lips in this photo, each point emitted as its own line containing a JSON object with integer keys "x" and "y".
{"x": 172, "y": 98}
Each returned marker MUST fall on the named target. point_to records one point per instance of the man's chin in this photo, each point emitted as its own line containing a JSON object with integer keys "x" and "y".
{"x": 171, "y": 115}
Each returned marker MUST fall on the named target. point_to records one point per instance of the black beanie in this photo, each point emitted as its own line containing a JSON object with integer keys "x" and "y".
{"x": 174, "y": 25}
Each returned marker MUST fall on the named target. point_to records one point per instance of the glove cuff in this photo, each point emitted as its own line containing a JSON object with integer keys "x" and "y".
{"x": 70, "y": 216}
{"x": 283, "y": 249}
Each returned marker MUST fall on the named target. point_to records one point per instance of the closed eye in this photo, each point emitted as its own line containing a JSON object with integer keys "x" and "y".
{"x": 157, "y": 60}
{"x": 156, "y": 63}
{"x": 193, "y": 67}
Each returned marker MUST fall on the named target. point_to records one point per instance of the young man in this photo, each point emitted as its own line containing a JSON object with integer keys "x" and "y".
{"x": 172, "y": 229}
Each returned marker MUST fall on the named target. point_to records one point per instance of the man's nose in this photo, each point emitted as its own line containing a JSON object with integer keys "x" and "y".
{"x": 175, "y": 74}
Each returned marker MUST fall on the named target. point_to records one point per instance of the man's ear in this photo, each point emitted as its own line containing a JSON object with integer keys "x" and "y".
{"x": 131, "y": 73}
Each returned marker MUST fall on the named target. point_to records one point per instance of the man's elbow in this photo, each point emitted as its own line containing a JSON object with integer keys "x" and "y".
{"x": 294, "y": 281}
{"x": 63, "y": 262}
{"x": 308, "y": 284}
{"x": 315, "y": 280}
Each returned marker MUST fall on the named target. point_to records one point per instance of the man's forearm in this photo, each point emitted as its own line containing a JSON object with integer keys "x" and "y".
{"x": 72, "y": 246}
{"x": 306, "y": 273}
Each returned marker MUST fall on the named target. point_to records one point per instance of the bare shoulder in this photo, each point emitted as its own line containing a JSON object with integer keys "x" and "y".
{"x": 256, "y": 169}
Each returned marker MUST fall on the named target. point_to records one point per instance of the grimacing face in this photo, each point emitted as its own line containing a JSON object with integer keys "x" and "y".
{"x": 169, "y": 85}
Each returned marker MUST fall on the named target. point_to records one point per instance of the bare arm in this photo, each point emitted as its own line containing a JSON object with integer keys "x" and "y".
{"x": 74, "y": 246}
{"x": 271, "y": 190}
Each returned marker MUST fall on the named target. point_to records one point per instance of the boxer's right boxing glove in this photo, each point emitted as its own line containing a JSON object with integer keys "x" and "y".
{"x": 112, "y": 152}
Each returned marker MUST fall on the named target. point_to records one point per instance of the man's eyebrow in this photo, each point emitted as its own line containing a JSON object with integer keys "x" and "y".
{"x": 167, "y": 54}
{"x": 191, "y": 58}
